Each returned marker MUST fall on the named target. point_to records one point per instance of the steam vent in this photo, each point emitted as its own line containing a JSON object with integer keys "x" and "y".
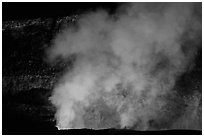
{"x": 102, "y": 68}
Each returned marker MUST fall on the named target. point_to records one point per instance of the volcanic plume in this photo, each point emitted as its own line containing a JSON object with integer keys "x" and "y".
{"x": 128, "y": 60}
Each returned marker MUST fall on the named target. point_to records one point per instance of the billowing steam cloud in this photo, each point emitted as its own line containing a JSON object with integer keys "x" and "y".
{"x": 129, "y": 60}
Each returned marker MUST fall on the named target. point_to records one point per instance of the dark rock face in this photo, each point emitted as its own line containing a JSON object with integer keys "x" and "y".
{"x": 28, "y": 80}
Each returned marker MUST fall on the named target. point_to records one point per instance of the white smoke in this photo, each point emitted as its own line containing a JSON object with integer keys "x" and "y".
{"x": 129, "y": 60}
